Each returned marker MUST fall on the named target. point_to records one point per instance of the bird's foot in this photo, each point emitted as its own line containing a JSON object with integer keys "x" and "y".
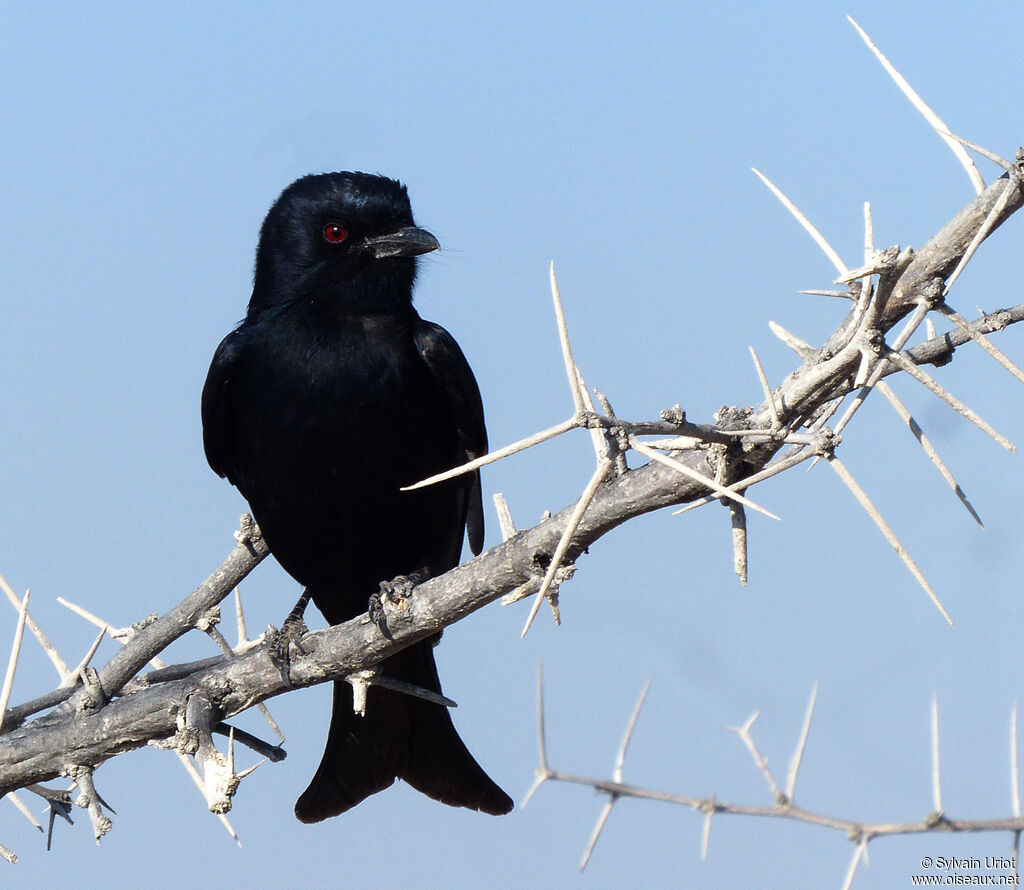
{"x": 394, "y": 594}
{"x": 399, "y": 589}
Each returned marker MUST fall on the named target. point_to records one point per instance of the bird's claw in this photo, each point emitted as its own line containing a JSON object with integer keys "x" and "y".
{"x": 399, "y": 589}
{"x": 377, "y": 614}
{"x": 393, "y": 593}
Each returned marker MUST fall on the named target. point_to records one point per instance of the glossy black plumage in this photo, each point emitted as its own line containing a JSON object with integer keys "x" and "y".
{"x": 329, "y": 397}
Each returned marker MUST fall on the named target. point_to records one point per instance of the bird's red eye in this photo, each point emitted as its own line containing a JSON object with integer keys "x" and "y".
{"x": 335, "y": 233}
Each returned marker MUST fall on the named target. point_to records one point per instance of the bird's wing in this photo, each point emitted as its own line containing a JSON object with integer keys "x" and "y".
{"x": 452, "y": 374}
{"x": 218, "y": 406}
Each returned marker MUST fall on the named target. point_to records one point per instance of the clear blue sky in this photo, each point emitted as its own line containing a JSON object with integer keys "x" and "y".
{"x": 142, "y": 146}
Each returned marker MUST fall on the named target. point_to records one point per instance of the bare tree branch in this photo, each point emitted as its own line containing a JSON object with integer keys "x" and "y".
{"x": 97, "y": 721}
{"x": 98, "y": 713}
{"x": 860, "y": 833}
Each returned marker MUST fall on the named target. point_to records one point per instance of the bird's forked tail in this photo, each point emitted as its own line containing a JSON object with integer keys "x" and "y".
{"x": 399, "y": 737}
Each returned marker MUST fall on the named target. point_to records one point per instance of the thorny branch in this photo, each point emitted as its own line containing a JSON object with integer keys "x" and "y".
{"x": 784, "y": 805}
{"x": 95, "y": 714}
{"x": 122, "y": 707}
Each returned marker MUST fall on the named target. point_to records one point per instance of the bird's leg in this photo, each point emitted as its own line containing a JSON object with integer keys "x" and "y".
{"x": 295, "y": 615}
{"x": 394, "y": 593}
{"x": 294, "y": 627}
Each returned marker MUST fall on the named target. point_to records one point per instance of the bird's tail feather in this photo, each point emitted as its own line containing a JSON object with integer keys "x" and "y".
{"x": 401, "y": 737}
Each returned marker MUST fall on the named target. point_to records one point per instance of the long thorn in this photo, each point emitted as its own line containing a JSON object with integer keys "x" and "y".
{"x": 563, "y": 339}
{"x": 249, "y": 770}
{"x": 905, "y": 364}
{"x": 885, "y": 529}
{"x": 858, "y": 853}
{"x": 23, "y": 809}
{"x": 122, "y": 634}
{"x": 808, "y": 226}
{"x": 979, "y": 338}
{"x": 769, "y": 396}
{"x": 194, "y": 773}
{"x": 822, "y": 292}
{"x": 798, "y": 754}
{"x": 12, "y": 663}
{"x": 620, "y": 758}
{"x": 785, "y": 463}
{"x": 926, "y": 444}
{"x": 563, "y": 542}
{"x": 84, "y": 663}
{"x": 933, "y": 119}
{"x": 51, "y": 651}
{"x": 240, "y": 619}
{"x": 492, "y": 456}
{"x": 597, "y": 438}
{"x": 602, "y": 819}
{"x": 982, "y": 233}
{"x": 919, "y": 314}
{"x": 1008, "y": 166}
{"x": 542, "y": 773}
{"x": 539, "y": 779}
{"x": 705, "y": 835}
{"x": 801, "y": 347}
{"x": 680, "y": 467}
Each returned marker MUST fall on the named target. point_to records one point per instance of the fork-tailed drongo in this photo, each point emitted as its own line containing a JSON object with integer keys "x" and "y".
{"x": 329, "y": 397}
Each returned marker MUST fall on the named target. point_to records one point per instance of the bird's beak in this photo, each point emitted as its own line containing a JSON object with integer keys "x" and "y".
{"x": 410, "y": 241}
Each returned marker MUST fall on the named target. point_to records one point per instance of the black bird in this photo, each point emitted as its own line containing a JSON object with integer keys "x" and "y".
{"x": 329, "y": 397}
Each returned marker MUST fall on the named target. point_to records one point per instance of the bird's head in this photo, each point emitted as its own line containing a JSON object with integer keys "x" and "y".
{"x": 346, "y": 240}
